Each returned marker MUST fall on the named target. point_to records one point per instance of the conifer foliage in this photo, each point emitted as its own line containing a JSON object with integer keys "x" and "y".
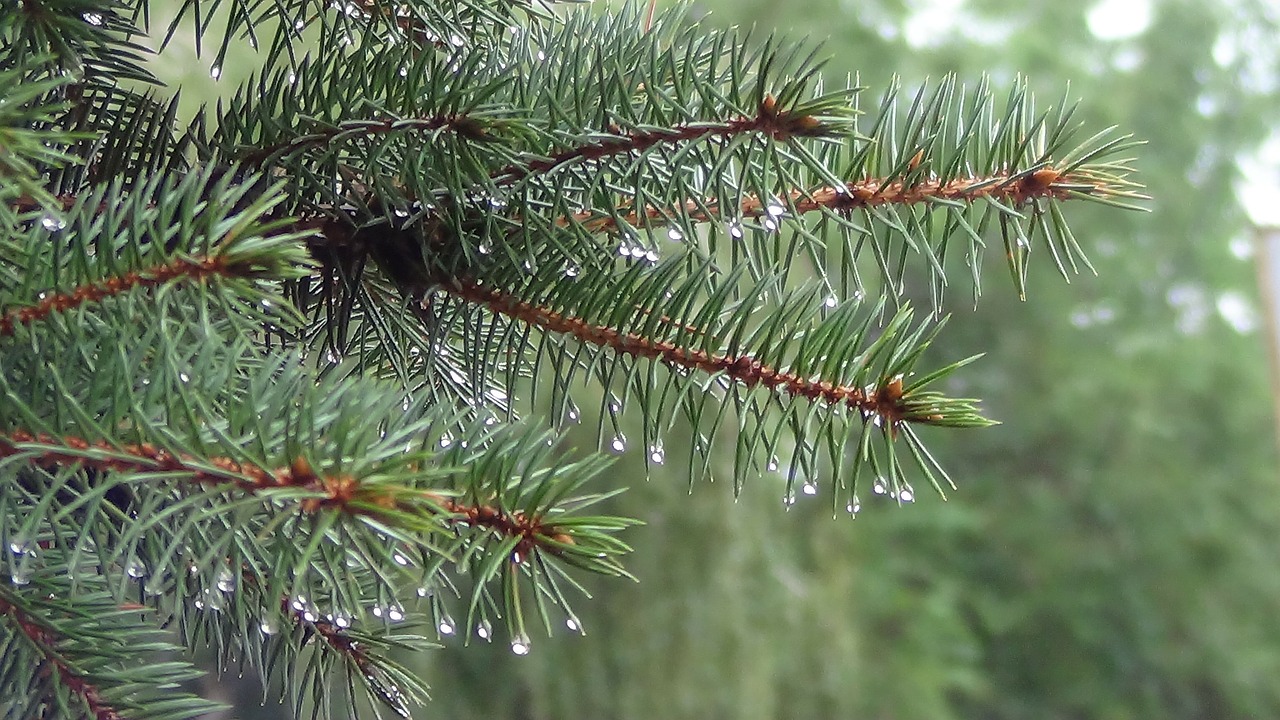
{"x": 296, "y": 379}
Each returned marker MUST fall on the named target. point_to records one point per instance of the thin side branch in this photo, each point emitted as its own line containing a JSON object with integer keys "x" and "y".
{"x": 1014, "y": 189}
{"x": 769, "y": 120}
{"x": 886, "y": 402}
{"x": 96, "y": 292}
{"x": 45, "y": 641}
{"x": 464, "y": 126}
{"x": 336, "y": 637}
{"x": 334, "y": 492}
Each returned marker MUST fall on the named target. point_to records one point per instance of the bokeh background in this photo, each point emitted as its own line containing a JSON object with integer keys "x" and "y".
{"x": 1112, "y": 552}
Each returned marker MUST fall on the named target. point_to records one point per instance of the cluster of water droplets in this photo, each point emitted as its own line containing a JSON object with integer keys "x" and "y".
{"x": 657, "y": 455}
{"x": 773, "y": 216}
{"x": 638, "y": 252}
{"x": 52, "y": 222}
{"x": 390, "y": 611}
{"x": 24, "y": 556}
{"x": 903, "y": 493}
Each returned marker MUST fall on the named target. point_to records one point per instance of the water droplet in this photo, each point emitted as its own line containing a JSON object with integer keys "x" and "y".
{"x": 651, "y": 257}
{"x": 484, "y": 630}
{"x": 770, "y": 224}
{"x": 574, "y": 624}
{"x": 184, "y": 377}
{"x": 788, "y": 500}
{"x": 541, "y": 56}
{"x": 484, "y": 249}
{"x": 772, "y": 466}
{"x": 19, "y": 547}
{"x": 226, "y": 582}
{"x": 675, "y": 235}
{"x": 775, "y": 209}
{"x": 199, "y": 604}
{"x": 268, "y": 627}
{"x": 656, "y": 454}
{"x": 572, "y": 414}
{"x": 404, "y": 71}
{"x": 907, "y": 495}
{"x": 571, "y": 270}
{"x": 809, "y": 488}
{"x": 341, "y": 620}
{"x": 310, "y": 615}
{"x": 400, "y": 559}
{"x": 299, "y": 24}
{"x": 293, "y": 77}
{"x": 445, "y": 626}
{"x": 879, "y": 487}
{"x": 735, "y": 230}
{"x": 135, "y": 569}
{"x": 619, "y": 443}
{"x": 831, "y": 301}
{"x": 93, "y": 18}
{"x": 215, "y": 72}
{"x": 299, "y": 602}
{"x": 446, "y": 440}
{"x": 456, "y": 41}
{"x": 854, "y": 505}
{"x": 395, "y": 613}
{"x": 52, "y": 223}
{"x": 520, "y": 645}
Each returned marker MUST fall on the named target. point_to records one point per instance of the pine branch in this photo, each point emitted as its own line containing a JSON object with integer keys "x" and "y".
{"x": 84, "y": 655}
{"x": 266, "y": 371}
{"x": 1013, "y": 190}
{"x": 769, "y": 121}
{"x": 43, "y": 641}
{"x": 887, "y": 402}
{"x": 189, "y": 270}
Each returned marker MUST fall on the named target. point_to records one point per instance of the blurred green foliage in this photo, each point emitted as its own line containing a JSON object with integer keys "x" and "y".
{"x": 1111, "y": 551}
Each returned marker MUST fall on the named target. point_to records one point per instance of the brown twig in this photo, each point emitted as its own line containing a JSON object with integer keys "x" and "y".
{"x": 769, "y": 119}
{"x": 886, "y": 401}
{"x": 1015, "y": 189}
{"x": 94, "y": 292}
{"x": 466, "y": 127}
{"x": 337, "y": 492}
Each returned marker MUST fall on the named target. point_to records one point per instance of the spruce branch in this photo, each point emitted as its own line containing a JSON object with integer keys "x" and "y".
{"x": 43, "y": 641}
{"x": 266, "y": 373}
{"x": 84, "y": 654}
{"x": 188, "y": 270}
{"x": 769, "y": 120}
